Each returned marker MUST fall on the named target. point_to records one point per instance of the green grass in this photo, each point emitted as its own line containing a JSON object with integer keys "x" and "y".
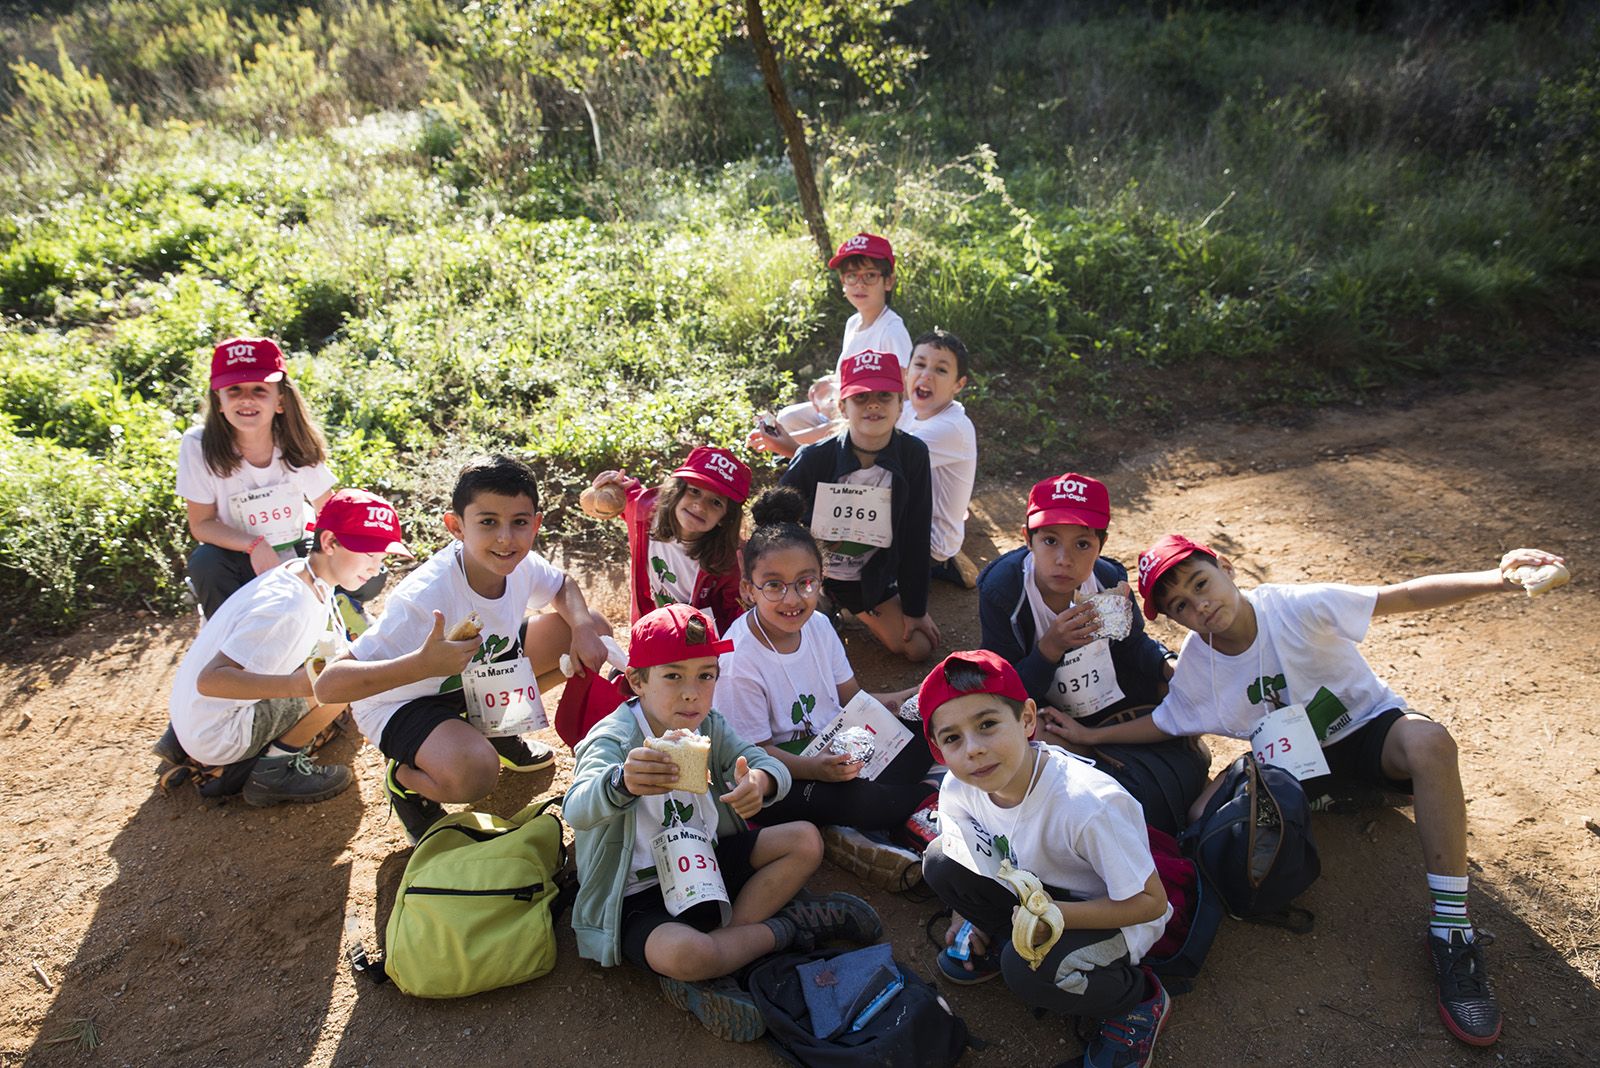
{"x": 1266, "y": 209}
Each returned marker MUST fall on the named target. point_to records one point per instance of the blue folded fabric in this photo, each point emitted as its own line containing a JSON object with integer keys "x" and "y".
{"x": 831, "y": 985}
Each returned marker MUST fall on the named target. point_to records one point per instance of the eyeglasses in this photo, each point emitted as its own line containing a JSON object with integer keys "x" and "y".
{"x": 862, "y": 278}
{"x": 775, "y": 591}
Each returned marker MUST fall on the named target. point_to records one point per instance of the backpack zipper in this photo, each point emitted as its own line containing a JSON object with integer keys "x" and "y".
{"x": 520, "y": 893}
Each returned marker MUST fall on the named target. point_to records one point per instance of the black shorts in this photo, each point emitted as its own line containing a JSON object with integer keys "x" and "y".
{"x": 644, "y": 910}
{"x": 413, "y": 721}
{"x": 847, "y": 595}
{"x": 1359, "y": 755}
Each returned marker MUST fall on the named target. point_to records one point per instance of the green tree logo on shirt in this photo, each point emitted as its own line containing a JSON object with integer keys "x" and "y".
{"x": 1269, "y": 689}
{"x": 801, "y": 711}
{"x": 676, "y": 812}
{"x": 659, "y": 566}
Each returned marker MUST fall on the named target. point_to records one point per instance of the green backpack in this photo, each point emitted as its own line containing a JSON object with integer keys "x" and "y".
{"x": 473, "y": 911}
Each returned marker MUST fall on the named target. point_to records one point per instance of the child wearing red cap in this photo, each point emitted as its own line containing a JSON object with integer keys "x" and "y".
{"x": 670, "y": 877}
{"x": 252, "y": 474}
{"x": 1280, "y": 663}
{"x": 865, "y": 264}
{"x": 447, "y": 681}
{"x": 1051, "y": 814}
{"x": 869, "y": 499}
{"x": 1037, "y": 607}
{"x": 683, "y": 536}
{"x": 240, "y": 698}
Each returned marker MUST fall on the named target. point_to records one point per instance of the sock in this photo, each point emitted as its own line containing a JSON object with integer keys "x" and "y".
{"x": 1449, "y": 906}
{"x": 278, "y": 749}
{"x": 783, "y": 932}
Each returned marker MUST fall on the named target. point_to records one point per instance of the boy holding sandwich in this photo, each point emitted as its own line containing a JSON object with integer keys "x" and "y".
{"x": 671, "y": 878}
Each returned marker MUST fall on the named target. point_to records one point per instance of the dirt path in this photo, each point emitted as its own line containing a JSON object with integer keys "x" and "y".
{"x": 193, "y": 934}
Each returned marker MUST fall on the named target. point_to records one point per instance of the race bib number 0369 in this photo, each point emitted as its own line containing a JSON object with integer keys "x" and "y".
{"x": 852, "y": 513}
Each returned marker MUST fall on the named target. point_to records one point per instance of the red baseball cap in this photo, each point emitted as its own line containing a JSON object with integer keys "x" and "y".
{"x": 1069, "y": 498}
{"x": 661, "y": 637}
{"x": 1169, "y": 549}
{"x": 246, "y": 359}
{"x": 999, "y": 677}
{"x": 871, "y": 246}
{"x": 363, "y": 522}
{"x": 717, "y": 470}
{"x": 870, "y": 371}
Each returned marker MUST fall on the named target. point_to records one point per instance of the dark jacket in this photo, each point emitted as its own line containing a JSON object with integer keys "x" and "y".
{"x": 906, "y": 559}
{"x": 1008, "y": 629}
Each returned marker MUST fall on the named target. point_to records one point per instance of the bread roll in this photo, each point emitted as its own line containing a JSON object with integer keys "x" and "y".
{"x": 691, "y": 751}
{"x": 1539, "y": 579}
{"x": 470, "y": 627}
{"x": 603, "y": 502}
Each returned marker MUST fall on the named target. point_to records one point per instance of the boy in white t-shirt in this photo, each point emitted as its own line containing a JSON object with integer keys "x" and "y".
{"x": 865, "y": 264}
{"x": 410, "y": 684}
{"x": 938, "y": 371}
{"x": 1290, "y": 652}
{"x": 1052, "y": 814}
{"x": 239, "y": 698}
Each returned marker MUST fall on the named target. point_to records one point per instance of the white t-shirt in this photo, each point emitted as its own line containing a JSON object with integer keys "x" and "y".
{"x": 198, "y": 483}
{"x": 844, "y": 560}
{"x": 953, "y": 456}
{"x": 673, "y": 573}
{"x": 766, "y": 694}
{"x": 886, "y": 334}
{"x": 441, "y": 584}
{"x": 1076, "y": 829}
{"x": 1304, "y": 653}
{"x": 269, "y": 627}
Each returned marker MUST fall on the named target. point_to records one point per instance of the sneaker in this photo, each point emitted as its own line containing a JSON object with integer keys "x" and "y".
{"x": 169, "y": 749}
{"x": 519, "y": 755}
{"x": 417, "y": 813}
{"x": 829, "y": 918}
{"x": 1129, "y": 1040}
{"x": 1466, "y": 1001}
{"x": 276, "y": 779}
{"x": 871, "y": 857}
{"x": 719, "y": 1004}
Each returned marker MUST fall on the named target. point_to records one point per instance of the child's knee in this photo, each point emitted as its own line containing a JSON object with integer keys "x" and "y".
{"x": 800, "y": 840}
{"x": 1429, "y": 745}
{"x": 687, "y": 959}
{"x": 470, "y": 777}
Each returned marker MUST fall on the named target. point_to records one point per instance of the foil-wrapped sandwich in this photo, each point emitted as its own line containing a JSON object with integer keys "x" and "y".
{"x": 854, "y": 742}
{"x": 1116, "y": 614}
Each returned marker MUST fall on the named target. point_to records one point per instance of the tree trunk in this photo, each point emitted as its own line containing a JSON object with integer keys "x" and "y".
{"x": 794, "y": 133}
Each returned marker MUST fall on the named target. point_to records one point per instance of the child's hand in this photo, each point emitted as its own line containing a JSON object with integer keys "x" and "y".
{"x": 1072, "y": 629}
{"x": 749, "y": 791}
{"x": 1054, "y": 722}
{"x": 768, "y": 436}
{"x": 647, "y": 772}
{"x": 923, "y": 625}
{"x": 833, "y": 767}
{"x": 263, "y": 557}
{"x": 437, "y": 657}
{"x": 979, "y": 942}
{"x": 588, "y": 651}
{"x": 1528, "y": 558}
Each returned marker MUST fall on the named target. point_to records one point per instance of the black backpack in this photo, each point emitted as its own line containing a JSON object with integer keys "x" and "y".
{"x": 915, "y": 1030}
{"x": 1253, "y": 844}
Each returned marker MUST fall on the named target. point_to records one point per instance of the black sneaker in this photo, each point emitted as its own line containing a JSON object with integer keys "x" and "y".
{"x": 295, "y": 778}
{"x": 720, "y": 1005}
{"x": 417, "y": 813}
{"x": 519, "y": 755}
{"x": 1466, "y": 1001}
{"x": 829, "y": 918}
{"x": 168, "y": 748}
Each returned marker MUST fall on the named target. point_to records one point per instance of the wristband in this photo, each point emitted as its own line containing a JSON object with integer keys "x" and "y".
{"x": 259, "y": 539}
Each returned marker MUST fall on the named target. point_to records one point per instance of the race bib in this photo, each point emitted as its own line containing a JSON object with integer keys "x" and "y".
{"x": 1086, "y": 680}
{"x": 503, "y": 699}
{"x": 276, "y": 513}
{"x": 852, "y": 513}
{"x": 686, "y": 864}
{"x": 1285, "y": 738}
{"x": 889, "y": 735}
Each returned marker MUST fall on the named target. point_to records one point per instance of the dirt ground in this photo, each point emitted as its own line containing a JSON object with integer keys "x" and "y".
{"x": 210, "y": 934}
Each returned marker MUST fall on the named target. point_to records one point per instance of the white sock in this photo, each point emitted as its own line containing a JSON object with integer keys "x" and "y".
{"x": 278, "y": 749}
{"x": 1449, "y": 894}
